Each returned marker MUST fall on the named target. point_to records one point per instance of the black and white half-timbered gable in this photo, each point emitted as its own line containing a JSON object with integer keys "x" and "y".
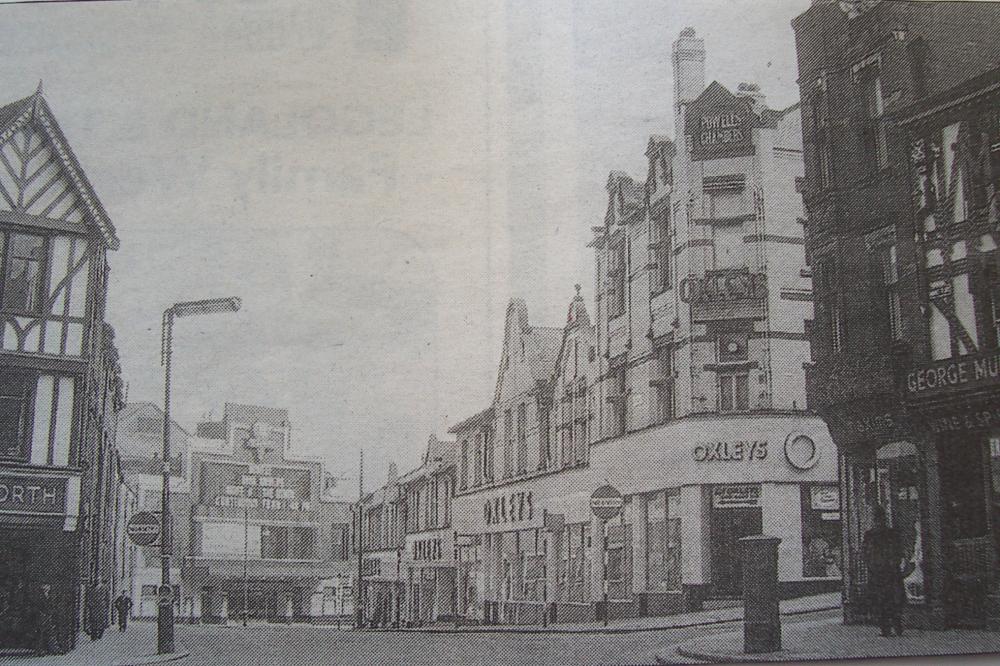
{"x": 60, "y": 380}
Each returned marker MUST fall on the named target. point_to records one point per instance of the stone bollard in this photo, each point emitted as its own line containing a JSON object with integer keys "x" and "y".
{"x": 761, "y": 619}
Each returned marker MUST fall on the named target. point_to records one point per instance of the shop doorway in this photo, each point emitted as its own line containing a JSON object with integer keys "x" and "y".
{"x": 732, "y": 518}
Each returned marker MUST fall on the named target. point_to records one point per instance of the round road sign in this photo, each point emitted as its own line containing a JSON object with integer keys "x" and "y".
{"x": 606, "y": 502}
{"x": 143, "y": 528}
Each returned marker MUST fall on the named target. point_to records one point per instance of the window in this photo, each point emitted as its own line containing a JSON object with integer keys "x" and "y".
{"x": 617, "y": 279}
{"x": 16, "y": 390}
{"x": 580, "y": 421}
{"x": 522, "y": 438}
{"x": 508, "y": 444}
{"x": 873, "y": 136}
{"x": 303, "y": 543}
{"x": 995, "y": 313}
{"x": 890, "y": 283}
{"x": 544, "y": 446}
{"x": 339, "y": 550}
{"x": 22, "y": 288}
{"x": 663, "y": 385}
{"x": 488, "y": 455}
{"x": 725, "y": 202}
{"x": 663, "y": 541}
{"x": 465, "y": 464}
{"x": 730, "y": 250}
{"x": 821, "y": 537}
{"x": 820, "y": 141}
{"x": 734, "y": 392}
{"x": 836, "y": 326}
{"x": 618, "y": 542}
{"x": 479, "y": 459}
{"x": 659, "y": 251}
{"x": 618, "y": 396}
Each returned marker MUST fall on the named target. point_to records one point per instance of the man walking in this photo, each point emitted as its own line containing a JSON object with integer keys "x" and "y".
{"x": 123, "y": 606}
{"x": 884, "y": 556}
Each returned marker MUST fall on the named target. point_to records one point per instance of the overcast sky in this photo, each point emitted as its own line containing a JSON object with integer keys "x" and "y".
{"x": 376, "y": 179}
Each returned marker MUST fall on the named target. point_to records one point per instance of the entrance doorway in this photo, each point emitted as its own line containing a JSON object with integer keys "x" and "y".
{"x": 733, "y": 516}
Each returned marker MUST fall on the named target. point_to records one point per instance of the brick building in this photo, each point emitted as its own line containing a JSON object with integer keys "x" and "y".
{"x": 901, "y": 138}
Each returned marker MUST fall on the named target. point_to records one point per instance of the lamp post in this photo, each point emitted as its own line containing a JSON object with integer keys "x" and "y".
{"x": 165, "y": 610}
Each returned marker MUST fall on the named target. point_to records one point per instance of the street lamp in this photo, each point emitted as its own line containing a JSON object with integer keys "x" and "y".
{"x": 165, "y": 611}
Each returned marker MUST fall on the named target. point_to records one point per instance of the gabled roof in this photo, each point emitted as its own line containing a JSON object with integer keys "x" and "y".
{"x": 34, "y": 109}
{"x": 442, "y": 451}
{"x": 485, "y": 416}
{"x": 625, "y": 196}
{"x": 546, "y": 340}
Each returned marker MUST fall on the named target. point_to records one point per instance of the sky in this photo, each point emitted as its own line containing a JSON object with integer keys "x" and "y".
{"x": 375, "y": 179}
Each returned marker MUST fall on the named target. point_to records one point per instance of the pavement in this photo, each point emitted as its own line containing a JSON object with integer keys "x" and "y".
{"x": 829, "y": 639}
{"x": 800, "y": 606}
{"x": 134, "y": 647}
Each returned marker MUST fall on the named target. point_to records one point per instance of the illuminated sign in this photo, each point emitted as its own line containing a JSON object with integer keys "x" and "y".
{"x": 264, "y": 488}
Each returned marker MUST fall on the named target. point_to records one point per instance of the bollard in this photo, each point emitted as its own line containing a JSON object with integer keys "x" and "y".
{"x": 761, "y": 619}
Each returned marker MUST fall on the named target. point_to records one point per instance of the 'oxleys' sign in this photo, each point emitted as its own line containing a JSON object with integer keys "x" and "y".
{"x": 724, "y": 287}
{"x": 32, "y": 494}
{"x": 967, "y": 372}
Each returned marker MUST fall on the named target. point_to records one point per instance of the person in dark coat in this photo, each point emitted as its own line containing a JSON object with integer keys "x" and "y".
{"x": 123, "y": 606}
{"x": 98, "y": 604}
{"x": 46, "y": 641}
{"x": 884, "y": 556}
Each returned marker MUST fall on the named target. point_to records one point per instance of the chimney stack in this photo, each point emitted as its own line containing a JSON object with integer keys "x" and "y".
{"x": 689, "y": 67}
{"x": 752, "y": 92}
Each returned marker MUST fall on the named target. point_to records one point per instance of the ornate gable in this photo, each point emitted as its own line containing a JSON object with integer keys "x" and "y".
{"x": 39, "y": 174}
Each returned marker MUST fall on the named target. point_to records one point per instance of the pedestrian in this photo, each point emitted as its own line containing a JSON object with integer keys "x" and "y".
{"x": 46, "y": 641}
{"x": 884, "y": 557}
{"x": 123, "y": 606}
{"x": 98, "y": 602}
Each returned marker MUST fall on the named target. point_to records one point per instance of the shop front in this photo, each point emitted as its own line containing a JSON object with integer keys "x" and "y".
{"x": 701, "y": 485}
{"x": 383, "y": 588}
{"x": 430, "y": 577}
{"x": 39, "y": 555}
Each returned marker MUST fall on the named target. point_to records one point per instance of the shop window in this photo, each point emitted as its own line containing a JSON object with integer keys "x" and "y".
{"x": 16, "y": 390}
{"x": 960, "y": 464}
{"x": 734, "y": 392}
{"x": 22, "y": 286}
{"x": 663, "y": 541}
{"x": 821, "y": 537}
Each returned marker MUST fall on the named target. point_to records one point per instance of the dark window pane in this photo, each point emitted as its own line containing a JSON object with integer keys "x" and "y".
{"x": 15, "y": 392}
{"x": 22, "y": 288}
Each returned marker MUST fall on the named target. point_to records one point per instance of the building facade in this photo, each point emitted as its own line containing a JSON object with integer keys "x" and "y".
{"x": 901, "y": 144}
{"x": 60, "y": 381}
{"x": 686, "y": 393}
{"x": 264, "y": 540}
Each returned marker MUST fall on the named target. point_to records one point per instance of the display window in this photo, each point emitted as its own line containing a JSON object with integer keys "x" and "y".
{"x": 821, "y": 537}
{"x": 663, "y": 541}
{"x": 619, "y": 561}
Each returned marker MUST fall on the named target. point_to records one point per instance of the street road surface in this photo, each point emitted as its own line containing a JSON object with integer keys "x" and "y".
{"x": 274, "y": 645}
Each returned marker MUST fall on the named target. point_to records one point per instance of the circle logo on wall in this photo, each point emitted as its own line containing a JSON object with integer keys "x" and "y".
{"x": 801, "y": 451}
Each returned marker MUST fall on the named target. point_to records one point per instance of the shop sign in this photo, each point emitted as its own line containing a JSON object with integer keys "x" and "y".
{"x": 723, "y": 287}
{"x": 32, "y": 494}
{"x": 748, "y": 450}
{"x": 143, "y": 528}
{"x": 511, "y": 508}
{"x": 801, "y": 451}
{"x": 824, "y": 498}
{"x": 606, "y": 502}
{"x": 261, "y": 491}
{"x": 736, "y": 497}
{"x": 977, "y": 419}
{"x": 722, "y": 128}
{"x": 967, "y": 372}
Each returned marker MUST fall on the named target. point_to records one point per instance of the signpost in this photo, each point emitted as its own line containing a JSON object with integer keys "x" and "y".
{"x": 606, "y": 503}
{"x": 143, "y": 528}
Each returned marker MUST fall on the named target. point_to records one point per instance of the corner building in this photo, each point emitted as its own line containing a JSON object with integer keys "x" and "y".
{"x": 702, "y": 307}
{"x": 902, "y": 146}
{"x": 60, "y": 380}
